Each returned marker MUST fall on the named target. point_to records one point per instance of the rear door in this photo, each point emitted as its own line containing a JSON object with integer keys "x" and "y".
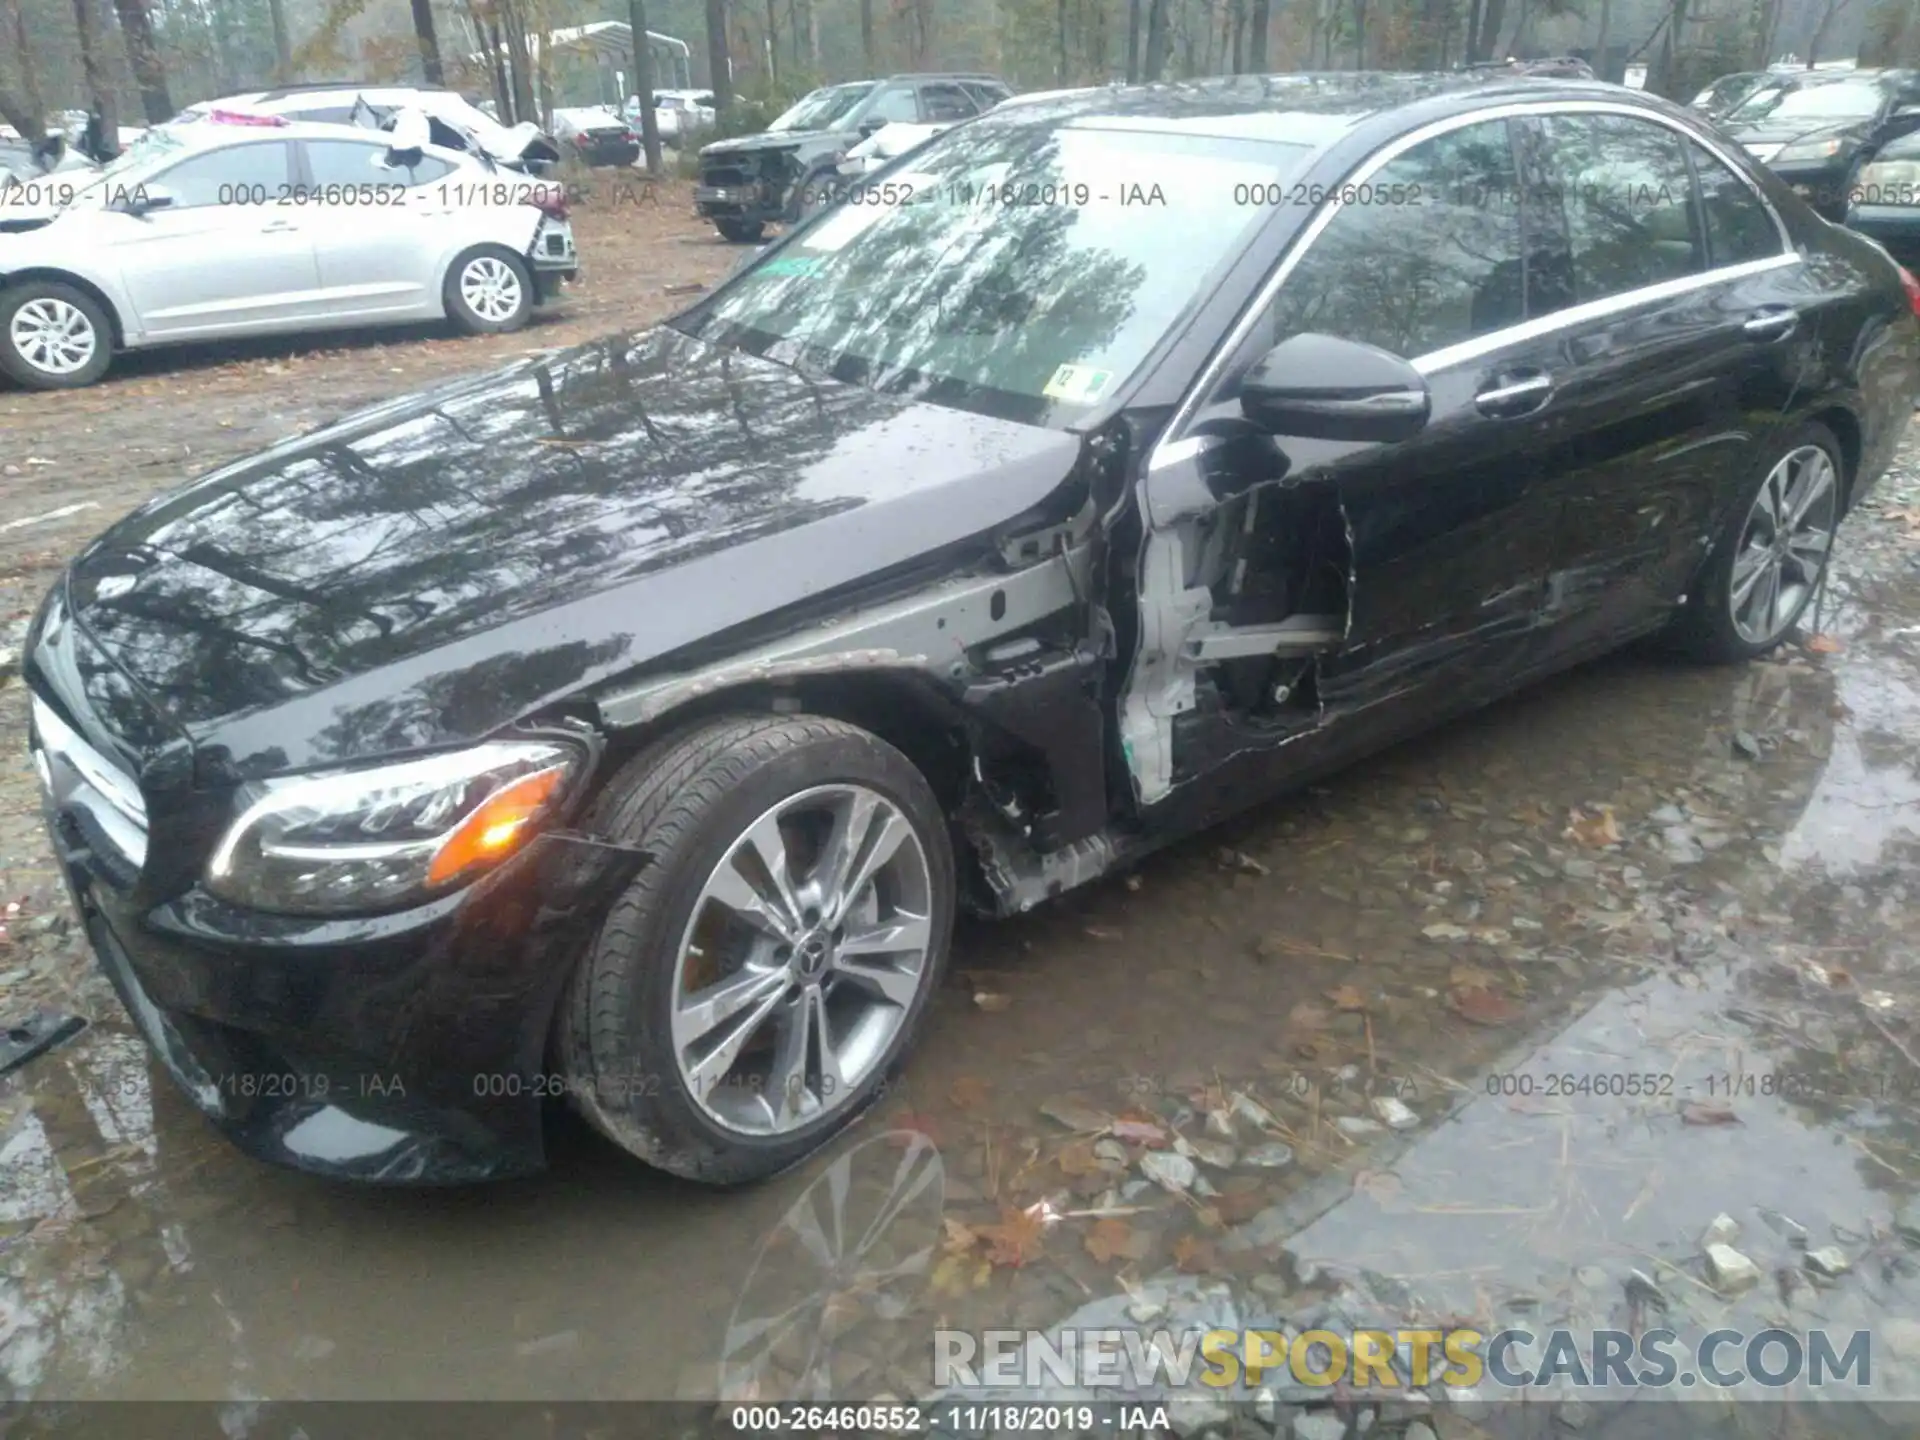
{"x": 1679, "y": 341}
{"x": 376, "y": 228}
{"x": 946, "y": 104}
{"x": 229, "y": 255}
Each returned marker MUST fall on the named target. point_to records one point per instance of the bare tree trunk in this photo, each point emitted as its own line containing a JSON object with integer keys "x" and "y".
{"x": 813, "y": 37}
{"x": 773, "y": 44}
{"x": 1156, "y": 61}
{"x": 1238, "y": 50}
{"x": 1260, "y": 22}
{"x": 1060, "y": 30}
{"x": 643, "y": 85}
{"x": 1892, "y": 34}
{"x": 520, "y": 65}
{"x": 1601, "y": 67}
{"x": 496, "y": 54}
{"x": 93, "y": 65}
{"x": 429, "y": 42}
{"x": 1493, "y": 18}
{"x": 1832, "y": 8}
{"x": 143, "y": 58}
{"x": 26, "y": 110}
{"x": 867, "y": 51}
{"x": 1133, "y": 42}
{"x": 22, "y": 114}
{"x": 718, "y": 61}
{"x": 282, "y": 41}
{"x": 1359, "y": 34}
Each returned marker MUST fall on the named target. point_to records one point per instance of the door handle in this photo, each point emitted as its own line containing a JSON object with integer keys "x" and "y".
{"x": 1772, "y": 324}
{"x": 278, "y": 227}
{"x": 1516, "y": 398}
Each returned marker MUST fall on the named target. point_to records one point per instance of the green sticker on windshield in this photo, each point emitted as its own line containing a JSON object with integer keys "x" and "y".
{"x": 1077, "y": 384}
{"x": 791, "y": 265}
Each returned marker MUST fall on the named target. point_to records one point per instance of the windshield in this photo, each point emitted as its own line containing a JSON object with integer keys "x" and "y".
{"x": 1815, "y": 100}
{"x": 131, "y": 167}
{"x": 1017, "y": 270}
{"x": 822, "y": 108}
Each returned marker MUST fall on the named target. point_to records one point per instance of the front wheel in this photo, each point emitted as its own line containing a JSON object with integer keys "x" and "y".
{"x": 53, "y": 336}
{"x": 741, "y": 232}
{"x": 751, "y": 991}
{"x": 1770, "y": 558}
{"x": 489, "y": 291}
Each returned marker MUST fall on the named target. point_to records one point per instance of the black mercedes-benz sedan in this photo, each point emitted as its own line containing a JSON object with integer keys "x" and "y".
{"x": 627, "y": 726}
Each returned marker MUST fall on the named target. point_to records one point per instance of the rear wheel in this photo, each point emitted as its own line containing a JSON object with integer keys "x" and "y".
{"x": 53, "y": 336}
{"x": 741, "y": 232}
{"x": 750, "y": 992}
{"x": 489, "y": 291}
{"x": 1772, "y": 556}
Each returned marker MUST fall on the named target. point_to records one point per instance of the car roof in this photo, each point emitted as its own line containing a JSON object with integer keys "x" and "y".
{"x": 214, "y": 135}
{"x": 1314, "y": 109}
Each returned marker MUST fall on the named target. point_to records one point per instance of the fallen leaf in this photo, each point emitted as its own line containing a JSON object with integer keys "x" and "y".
{"x": 1109, "y": 1239}
{"x": 1015, "y": 1240}
{"x": 991, "y": 1000}
{"x": 956, "y": 1275}
{"x": 1101, "y": 932}
{"x": 1708, "y": 1112}
{"x": 908, "y": 1126}
{"x": 1478, "y": 1005}
{"x": 1347, "y": 997}
{"x": 959, "y": 1237}
{"x": 1824, "y": 645}
{"x": 1471, "y": 977}
{"x": 1208, "y": 1217}
{"x": 1238, "y": 1206}
{"x": 968, "y": 1093}
{"x": 1379, "y": 1185}
{"x": 1594, "y": 830}
{"x": 1139, "y": 1132}
{"x": 1193, "y": 1254}
{"x": 1079, "y": 1159}
{"x": 1308, "y": 1016}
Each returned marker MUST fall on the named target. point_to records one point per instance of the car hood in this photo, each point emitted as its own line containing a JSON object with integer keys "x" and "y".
{"x": 782, "y": 140}
{"x": 1784, "y": 133}
{"x": 430, "y": 570}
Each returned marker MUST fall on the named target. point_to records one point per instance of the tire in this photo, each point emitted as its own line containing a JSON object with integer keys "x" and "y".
{"x": 741, "y": 232}
{"x": 690, "y": 800}
{"x": 488, "y": 291}
{"x": 44, "y": 327}
{"x": 1712, "y": 627}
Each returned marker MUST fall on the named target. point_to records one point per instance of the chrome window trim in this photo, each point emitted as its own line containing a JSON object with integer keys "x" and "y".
{"x": 1527, "y": 329}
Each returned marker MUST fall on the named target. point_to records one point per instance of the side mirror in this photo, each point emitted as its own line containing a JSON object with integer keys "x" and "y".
{"x": 144, "y": 198}
{"x": 1320, "y": 387}
{"x": 870, "y": 128}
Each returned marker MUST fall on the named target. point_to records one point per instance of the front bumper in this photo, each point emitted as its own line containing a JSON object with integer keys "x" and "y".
{"x": 408, "y": 1048}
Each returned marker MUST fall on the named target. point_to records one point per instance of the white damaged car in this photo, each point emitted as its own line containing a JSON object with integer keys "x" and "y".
{"x": 216, "y": 230}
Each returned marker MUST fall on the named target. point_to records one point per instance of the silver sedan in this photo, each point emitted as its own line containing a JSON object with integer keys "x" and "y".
{"x": 209, "y": 231}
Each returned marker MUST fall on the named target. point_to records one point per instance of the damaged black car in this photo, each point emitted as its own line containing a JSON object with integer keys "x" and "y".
{"x": 626, "y": 727}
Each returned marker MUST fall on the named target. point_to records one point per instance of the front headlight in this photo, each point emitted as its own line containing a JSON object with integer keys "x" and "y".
{"x": 1809, "y": 150}
{"x": 364, "y": 840}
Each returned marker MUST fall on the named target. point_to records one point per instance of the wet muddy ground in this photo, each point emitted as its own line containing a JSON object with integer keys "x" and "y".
{"x": 1491, "y": 1029}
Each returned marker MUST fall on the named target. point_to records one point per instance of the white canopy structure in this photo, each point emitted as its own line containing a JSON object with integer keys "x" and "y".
{"x": 608, "y": 46}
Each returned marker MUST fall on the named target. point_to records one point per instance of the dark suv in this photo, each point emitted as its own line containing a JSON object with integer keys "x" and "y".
{"x": 753, "y": 179}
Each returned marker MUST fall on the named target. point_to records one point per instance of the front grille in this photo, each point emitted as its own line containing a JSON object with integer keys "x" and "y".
{"x": 84, "y": 784}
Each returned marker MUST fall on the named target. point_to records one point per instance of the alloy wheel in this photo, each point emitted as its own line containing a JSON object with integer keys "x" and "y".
{"x": 53, "y": 335}
{"x": 490, "y": 288}
{"x": 1784, "y": 545}
{"x": 805, "y": 952}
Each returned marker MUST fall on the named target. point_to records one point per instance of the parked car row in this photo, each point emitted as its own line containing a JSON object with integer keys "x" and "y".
{"x": 214, "y": 229}
{"x": 1846, "y": 139}
{"x": 752, "y": 181}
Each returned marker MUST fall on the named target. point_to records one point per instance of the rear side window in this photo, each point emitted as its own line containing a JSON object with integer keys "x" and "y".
{"x": 894, "y": 103}
{"x": 1739, "y": 226}
{"x": 345, "y": 162}
{"x": 326, "y": 115}
{"x": 1627, "y": 194}
{"x": 944, "y": 104}
{"x": 987, "y": 96}
{"x": 255, "y": 174}
{"x": 1426, "y": 256}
